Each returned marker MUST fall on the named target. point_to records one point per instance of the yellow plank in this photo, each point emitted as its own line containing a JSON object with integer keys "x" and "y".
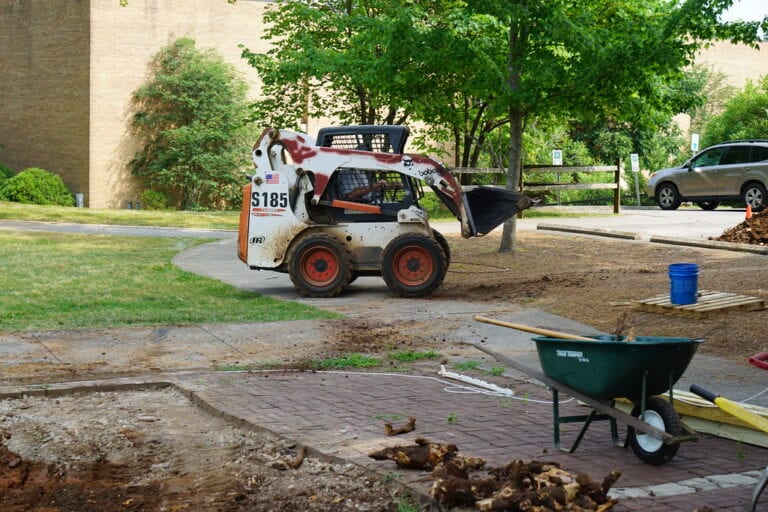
{"x": 705, "y": 417}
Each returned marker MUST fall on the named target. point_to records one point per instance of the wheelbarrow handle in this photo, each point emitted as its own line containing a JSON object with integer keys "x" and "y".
{"x": 535, "y": 330}
{"x": 732, "y": 408}
{"x": 703, "y": 393}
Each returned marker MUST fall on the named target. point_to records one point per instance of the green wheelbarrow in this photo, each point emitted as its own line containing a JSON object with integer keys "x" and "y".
{"x": 606, "y": 368}
{"x": 598, "y": 370}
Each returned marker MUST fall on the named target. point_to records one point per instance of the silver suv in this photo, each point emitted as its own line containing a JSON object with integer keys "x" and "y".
{"x": 736, "y": 170}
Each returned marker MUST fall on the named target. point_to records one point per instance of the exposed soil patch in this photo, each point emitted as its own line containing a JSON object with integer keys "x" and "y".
{"x": 155, "y": 451}
{"x": 593, "y": 280}
{"x": 376, "y": 336}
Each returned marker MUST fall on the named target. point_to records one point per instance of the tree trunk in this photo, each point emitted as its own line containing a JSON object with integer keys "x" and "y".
{"x": 516, "y": 118}
{"x": 508, "y": 234}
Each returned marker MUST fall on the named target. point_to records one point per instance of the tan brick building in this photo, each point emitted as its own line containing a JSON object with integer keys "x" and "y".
{"x": 739, "y": 63}
{"x": 69, "y": 68}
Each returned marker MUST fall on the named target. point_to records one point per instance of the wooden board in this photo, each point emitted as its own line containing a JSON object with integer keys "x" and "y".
{"x": 705, "y": 417}
{"x": 707, "y": 302}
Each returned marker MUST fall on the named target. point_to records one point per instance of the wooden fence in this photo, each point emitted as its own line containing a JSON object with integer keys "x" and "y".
{"x": 528, "y": 183}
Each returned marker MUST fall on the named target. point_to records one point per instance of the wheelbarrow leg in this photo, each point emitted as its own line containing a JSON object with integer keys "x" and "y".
{"x": 587, "y": 419}
{"x": 759, "y": 488}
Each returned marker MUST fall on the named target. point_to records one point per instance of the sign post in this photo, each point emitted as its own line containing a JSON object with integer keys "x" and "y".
{"x": 694, "y": 142}
{"x": 557, "y": 159}
{"x": 635, "y": 160}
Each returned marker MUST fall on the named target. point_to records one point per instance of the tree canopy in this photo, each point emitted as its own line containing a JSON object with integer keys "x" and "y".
{"x": 743, "y": 116}
{"x": 192, "y": 117}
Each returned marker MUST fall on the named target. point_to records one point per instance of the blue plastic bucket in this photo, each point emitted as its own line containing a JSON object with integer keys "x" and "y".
{"x": 683, "y": 279}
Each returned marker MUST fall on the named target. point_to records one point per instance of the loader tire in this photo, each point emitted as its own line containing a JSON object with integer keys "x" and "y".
{"x": 320, "y": 266}
{"x": 413, "y": 265}
{"x": 444, "y": 246}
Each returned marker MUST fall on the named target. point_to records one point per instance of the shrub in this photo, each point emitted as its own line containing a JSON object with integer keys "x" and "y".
{"x": 154, "y": 200}
{"x": 5, "y": 172}
{"x": 37, "y": 186}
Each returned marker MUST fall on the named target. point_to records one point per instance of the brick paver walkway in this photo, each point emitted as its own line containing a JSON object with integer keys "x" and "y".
{"x": 342, "y": 414}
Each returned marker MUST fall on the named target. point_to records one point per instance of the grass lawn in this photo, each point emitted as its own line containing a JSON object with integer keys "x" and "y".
{"x": 64, "y": 281}
{"x": 172, "y": 218}
{"x": 168, "y": 218}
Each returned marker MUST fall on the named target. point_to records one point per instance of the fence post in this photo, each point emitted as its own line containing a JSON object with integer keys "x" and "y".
{"x": 520, "y": 182}
{"x": 617, "y": 192}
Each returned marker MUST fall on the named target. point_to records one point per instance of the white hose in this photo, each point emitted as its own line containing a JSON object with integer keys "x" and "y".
{"x": 450, "y": 387}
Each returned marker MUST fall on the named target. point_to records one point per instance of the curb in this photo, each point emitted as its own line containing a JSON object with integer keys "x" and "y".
{"x": 590, "y": 231}
{"x": 711, "y": 244}
{"x": 703, "y": 244}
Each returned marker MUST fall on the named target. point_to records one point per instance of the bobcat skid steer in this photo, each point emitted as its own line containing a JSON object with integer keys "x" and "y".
{"x": 347, "y": 204}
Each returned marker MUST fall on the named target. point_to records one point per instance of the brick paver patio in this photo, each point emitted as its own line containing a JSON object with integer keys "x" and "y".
{"x": 342, "y": 414}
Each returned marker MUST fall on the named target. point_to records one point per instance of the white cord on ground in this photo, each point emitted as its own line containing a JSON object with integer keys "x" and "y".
{"x": 498, "y": 390}
{"x": 755, "y": 395}
{"x": 453, "y": 388}
{"x": 450, "y": 387}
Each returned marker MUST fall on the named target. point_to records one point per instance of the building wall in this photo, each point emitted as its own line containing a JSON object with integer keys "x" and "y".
{"x": 44, "y": 87}
{"x": 739, "y": 63}
{"x": 123, "y": 42}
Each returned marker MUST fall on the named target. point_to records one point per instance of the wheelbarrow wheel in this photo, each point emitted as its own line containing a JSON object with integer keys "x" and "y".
{"x": 660, "y": 414}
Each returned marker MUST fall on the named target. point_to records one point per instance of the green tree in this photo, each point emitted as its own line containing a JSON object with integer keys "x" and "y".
{"x": 192, "y": 117}
{"x": 612, "y": 59}
{"x": 323, "y": 62}
{"x": 383, "y": 61}
{"x": 743, "y": 116}
{"x": 359, "y": 61}
{"x": 716, "y": 92}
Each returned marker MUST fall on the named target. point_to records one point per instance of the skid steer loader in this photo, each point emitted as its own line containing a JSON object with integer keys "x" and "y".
{"x": 346, "y": 204}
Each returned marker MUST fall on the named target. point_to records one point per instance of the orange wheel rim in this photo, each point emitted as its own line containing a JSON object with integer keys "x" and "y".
{"x": 413, "y": 265}
{"x": 320, "y": 266}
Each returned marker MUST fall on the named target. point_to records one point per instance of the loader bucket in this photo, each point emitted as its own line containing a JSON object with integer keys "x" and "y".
{"x": 488, "y": 207}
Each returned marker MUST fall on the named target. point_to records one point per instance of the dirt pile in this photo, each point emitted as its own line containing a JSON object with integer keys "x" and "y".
{"x": 753, "y": 231}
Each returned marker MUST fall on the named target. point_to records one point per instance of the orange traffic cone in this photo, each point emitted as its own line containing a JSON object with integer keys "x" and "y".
{"x": 749, "y": 211}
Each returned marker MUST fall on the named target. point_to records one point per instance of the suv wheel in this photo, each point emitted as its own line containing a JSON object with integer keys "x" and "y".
{"x": 755, "y": 196}
{"x": 708, "y": 205}
{"x": 668, "y": 197}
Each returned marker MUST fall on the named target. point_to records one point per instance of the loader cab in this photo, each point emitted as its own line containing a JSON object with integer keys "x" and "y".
{"x": 367, "y": 195}
{"x": 396, "y": 192}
